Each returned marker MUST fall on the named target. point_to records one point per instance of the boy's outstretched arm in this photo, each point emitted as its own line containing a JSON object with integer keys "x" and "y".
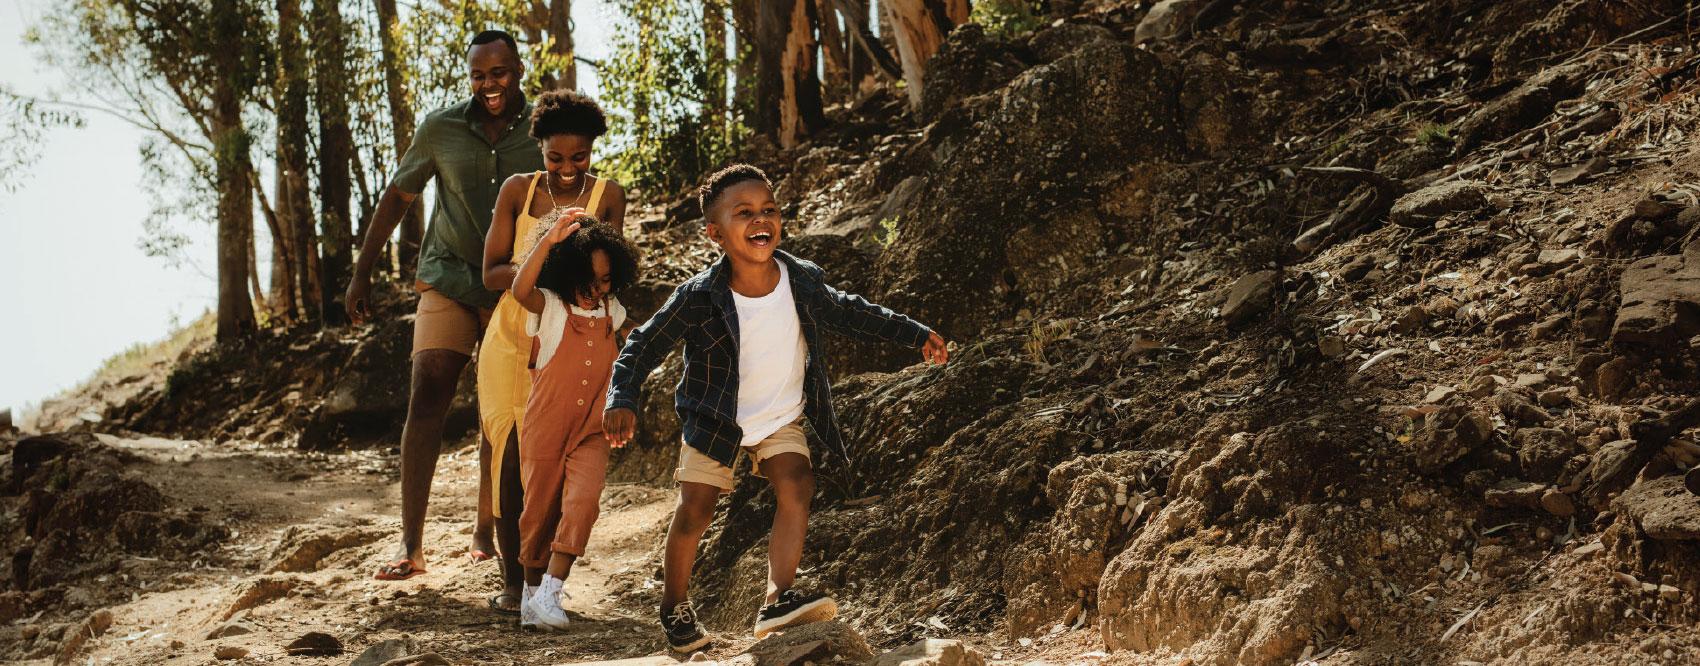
{"x": 853, "y": 316}
{"x": 645, "y": 349}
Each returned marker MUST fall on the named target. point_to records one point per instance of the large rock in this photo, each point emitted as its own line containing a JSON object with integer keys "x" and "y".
{"x": 1662, "y": 508}
{"x": 820, "y": 643}
{"x": 1249, "y": 297}
{"x": 1016, "y": 159}
{"x": 1521, "y": 108}
{"x": 1424, "y": 206}
{"x": 1447, "y": 435}
{"x": 1166, "y": 18}
{"x": 1661, "y": 300}
{"x": 969, "y": 63}
{"x": 932, "y": 652}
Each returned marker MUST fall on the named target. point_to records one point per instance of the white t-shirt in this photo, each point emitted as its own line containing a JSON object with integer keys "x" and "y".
{"x": 551, "y": 325}
{"x": 771, "y": 359}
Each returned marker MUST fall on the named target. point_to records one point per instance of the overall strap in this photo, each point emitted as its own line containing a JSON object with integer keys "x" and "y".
{"x": 595, "y": 197}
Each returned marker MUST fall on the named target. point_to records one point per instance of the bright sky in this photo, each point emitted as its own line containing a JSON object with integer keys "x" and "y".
{"x": 76, "y": 286}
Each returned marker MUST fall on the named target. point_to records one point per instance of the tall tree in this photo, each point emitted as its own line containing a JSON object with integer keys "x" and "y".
{"x": 919, "y": 27}
{"x": 412, "y": 230}
{"x": 835, "y": 57}
{"x": 336, "y": 152}
{"x": 231, "y": 80}
{"x": 294, "y": 204}
{"x": 787, "y": 91}
{"x": 565, "y": 72}
{"x": 714, "y": 65}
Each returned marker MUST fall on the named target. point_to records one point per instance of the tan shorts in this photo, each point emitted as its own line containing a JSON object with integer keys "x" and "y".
{"x": 697, "y": 467}
{"x": 445, "y": 323}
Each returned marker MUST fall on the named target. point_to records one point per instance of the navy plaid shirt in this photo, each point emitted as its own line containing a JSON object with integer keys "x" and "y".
{"x": 702, "y": 313}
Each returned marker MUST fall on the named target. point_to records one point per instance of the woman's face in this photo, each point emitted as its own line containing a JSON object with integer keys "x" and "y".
{"x": 567, "y": 157}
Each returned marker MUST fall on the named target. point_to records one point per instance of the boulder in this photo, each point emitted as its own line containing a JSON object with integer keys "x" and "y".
{"x": 1250, "y": 296}
{"x": 969, "y": 63}
{"x": 821, "y": 643}
{"x": 1057, "y": 41}
{"x": 1660, "y": 300}
{"x": 932, "y": 652}
{"x": 1424, "y": 206}
{"x": 1662, "y": 508}
{"x": 1543, "y": 452}
{"x": 1166, "y": 18}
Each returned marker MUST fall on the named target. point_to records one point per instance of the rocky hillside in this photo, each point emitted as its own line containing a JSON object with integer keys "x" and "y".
{"x": 1358, "y": 332}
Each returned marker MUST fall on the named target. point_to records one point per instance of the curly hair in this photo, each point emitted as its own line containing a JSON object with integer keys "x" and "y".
{"x": 567, "y": 269}
{"x": 567, "y": 112}
{"x": 719, "y": 181}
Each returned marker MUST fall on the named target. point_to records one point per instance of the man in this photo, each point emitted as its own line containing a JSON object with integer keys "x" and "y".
{"x": 470, "y": 148}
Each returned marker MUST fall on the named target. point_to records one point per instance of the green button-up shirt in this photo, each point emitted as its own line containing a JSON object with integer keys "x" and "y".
{"x": 451, "y": 145}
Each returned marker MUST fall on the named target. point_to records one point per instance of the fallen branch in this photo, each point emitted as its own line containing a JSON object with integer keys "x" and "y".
{"x": 1365, "y": 207}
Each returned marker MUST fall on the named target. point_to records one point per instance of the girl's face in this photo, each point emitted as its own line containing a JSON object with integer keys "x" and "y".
{"x": 604, "y": 271}
{"x": 567, "y": 158}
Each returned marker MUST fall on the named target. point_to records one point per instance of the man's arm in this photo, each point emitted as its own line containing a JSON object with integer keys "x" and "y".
{"x": 392, "y": 206}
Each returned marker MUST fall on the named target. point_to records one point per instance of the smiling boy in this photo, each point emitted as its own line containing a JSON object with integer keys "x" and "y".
{"x": 754, "y": 380}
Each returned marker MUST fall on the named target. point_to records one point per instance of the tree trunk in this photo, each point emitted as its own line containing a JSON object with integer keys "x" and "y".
{"x": 294, "y": 204}
{"x": 235, "y": 198}
{"x": 836, "y": 84}
{"x": 745, "y": 17}
{"x": 870, "y": 57}
{"x": 401, "y": 121}
{"x": 336, "y": 154}
{"x": 282, "y": 286}
{"x": 919, "y": 26}
{"x": 787, "y": 90}
{"x": 258, "y": 292}
{"x": 561, "y": 45}
{"x": 714, "y": 57}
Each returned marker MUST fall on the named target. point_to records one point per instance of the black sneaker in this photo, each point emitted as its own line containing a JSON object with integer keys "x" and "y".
{"x": 794, "y": 609}
{"x": 681, "y": 628}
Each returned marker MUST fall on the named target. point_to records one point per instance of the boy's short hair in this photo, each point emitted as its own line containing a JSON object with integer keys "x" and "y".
{"x": 567, "y": 270}
{"x": 567, "y": 112}
{"x": 495, "y": 36}
{"x": 719, "y": 181}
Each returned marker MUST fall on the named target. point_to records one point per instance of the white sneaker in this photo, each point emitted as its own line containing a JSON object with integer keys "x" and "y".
{"x": 545, "y": 606}
{"x": 527, "y": 617}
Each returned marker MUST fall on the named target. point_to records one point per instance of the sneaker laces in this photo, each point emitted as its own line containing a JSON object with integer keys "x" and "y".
{"x": 683, "y": 614}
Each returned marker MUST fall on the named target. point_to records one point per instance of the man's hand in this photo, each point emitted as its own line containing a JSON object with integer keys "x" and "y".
{"x": 618, "y": 424}
{"x": 354, "y": 301}
{"x": 935, "y": 351}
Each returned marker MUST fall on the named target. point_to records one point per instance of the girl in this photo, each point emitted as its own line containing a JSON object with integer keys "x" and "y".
{"x": 567, "y": 284}
{"x": 566, "y": 126}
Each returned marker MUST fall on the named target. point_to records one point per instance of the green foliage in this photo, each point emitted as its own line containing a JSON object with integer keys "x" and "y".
{"x": 887, "y": 233}
{"x": 27, "y": 122}
{"x": 1005, "y": 18}
{"x": 1435, "y": 135}
{"x": 654, "y": 84}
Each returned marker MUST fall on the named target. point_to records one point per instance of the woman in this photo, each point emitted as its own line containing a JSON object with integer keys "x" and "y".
{"x": 566, "y": 125}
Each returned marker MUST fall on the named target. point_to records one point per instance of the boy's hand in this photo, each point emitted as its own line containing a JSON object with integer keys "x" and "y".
{"x": 618, "y": 424}
{"x": 561, "y": 232}
{"x": 935, "y": 351}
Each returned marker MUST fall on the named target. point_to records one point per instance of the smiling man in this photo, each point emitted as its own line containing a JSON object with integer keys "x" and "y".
{"x": 470, "y": 148}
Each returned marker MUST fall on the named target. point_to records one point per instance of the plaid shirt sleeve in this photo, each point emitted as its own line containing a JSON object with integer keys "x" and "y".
{"x": 853, "y": 316}
{"x": 645, "y": 349}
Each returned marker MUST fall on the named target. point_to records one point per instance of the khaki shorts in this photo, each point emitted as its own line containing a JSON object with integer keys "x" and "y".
{"x": 445, "y": 323}
{"x": 697, "y": 467}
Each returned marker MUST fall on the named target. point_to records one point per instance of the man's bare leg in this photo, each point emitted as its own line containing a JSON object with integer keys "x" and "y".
{"x": 435, "y": 374}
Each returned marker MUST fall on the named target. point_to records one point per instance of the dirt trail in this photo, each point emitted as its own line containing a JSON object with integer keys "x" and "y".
{"x": 333, "y": 517}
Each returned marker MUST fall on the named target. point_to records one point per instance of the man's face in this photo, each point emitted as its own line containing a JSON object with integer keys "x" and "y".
{"x": 495, "y": 73}
{"x": 745, "y": 223}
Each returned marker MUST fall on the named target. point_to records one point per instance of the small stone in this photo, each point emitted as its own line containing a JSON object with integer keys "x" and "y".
{"x": 1557, "y": 397}
{"x": 1250, "y": 296}
{"x": 1331, "y": 347}
{"x": 1514, "y": 494}
{"x": 315, "y": 644}
{"x": 1670, "y": 592}
{"x": 1423, "y": 207}
{"x": 226, "y": 652}
{"x": 1590, "y": 548}
{"x": 1613, "y": 379}
{"x": 1530, "y": 380}
{"x": 1557, "y": 503}
{"x": 1439, "y": 394}
{"x": 1579, "y": 173}
{"x": 229, "y": 629}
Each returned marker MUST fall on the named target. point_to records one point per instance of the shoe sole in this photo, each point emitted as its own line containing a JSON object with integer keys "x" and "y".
{"x": 693, "y": 646}
{"x": 820, "y": 610}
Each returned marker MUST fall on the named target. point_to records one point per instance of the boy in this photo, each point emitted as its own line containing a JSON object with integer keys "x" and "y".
{"x": 753, "y": 375}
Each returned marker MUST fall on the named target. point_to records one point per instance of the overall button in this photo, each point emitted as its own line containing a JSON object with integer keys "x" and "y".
{"x": 589, "y": 343}
{"x": 581, "y": 402}
{"x": 587, "y": 361}
{"x": 584, "y": 382}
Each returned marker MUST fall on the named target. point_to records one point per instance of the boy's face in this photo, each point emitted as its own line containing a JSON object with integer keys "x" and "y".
{"x": 745, "y": 223}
